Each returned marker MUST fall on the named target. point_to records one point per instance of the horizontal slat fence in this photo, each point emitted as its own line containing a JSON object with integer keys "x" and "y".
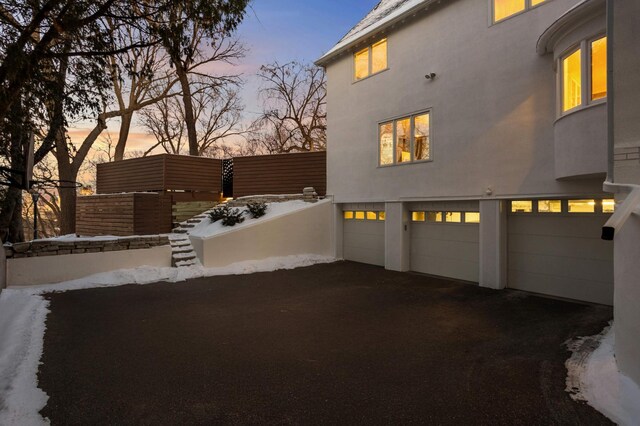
{"x": 279, "y": 174}
{"x": 123, "y": 214}
{"x": 162, "y": 172}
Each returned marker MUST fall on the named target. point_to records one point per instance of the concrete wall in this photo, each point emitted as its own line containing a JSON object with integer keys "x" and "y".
{"x": 626, "y": 81}
{"x": 54, "y": 269}
{"x": 306, "y": 231}
{"x": 3, "y": 268}
{"x": 493, "y": 106}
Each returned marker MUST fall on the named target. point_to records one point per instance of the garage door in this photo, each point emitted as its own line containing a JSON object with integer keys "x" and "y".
{"x": 446, "y": 244}
{"x": 554, "y": 248}
{"x": 364, "y": 236}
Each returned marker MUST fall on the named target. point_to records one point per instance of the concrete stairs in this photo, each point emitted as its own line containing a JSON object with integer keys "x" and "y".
{"x": 182, "y": 253}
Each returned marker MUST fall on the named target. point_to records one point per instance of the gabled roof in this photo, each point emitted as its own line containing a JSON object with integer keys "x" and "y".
{"x": 385, "y": 14}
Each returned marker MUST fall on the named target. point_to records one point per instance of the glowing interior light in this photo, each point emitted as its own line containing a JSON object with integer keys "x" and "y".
{"x": 379, "y": 56}
{"x": 572, "y": 80}
{"x": 434, "y": 216}
{"x": 472, "y": 217}
{"x": 504, "y": 8}
{"x": 549, "y": 206}
{"x": 522, "y": 206}
{"x": 348, "y": 215}
{"x": 372, "y": 216}
{"x": 360, "y": 215}
{"x": 608, "y": 206}
{"x": 582, "y": 206}
{"x": 418, "y": 216}
{"x": 599, "y": 69}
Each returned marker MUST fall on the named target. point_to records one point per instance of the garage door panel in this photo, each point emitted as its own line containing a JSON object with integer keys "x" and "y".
{"x": 455, "y": 249}
{"x": 580, "y": 226}
{"x": 363, "y": 241}
{"x": 560, "y": 255}
{"x": 589, "y": 291}
{"x": 446, "y": 267}
{"x": 585, "y": 248}
{"x": 567, "y": 267}
{"x": 445, "y": 232}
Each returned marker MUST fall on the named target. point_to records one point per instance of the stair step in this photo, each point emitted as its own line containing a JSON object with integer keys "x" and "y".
{"x": 182, "y": 250}
{"x": 187, "y": 226}
{"x": 180, "y": 243}
{"x": 180, "y": 231}
{"x": 184, "y": 256}
{"x": 195, "y": 221}
{"x": 185, "y": 263}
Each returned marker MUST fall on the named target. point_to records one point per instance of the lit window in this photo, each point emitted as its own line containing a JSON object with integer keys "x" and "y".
{"x": 421, "y": 138}
{"x": 504, "y": 8}
{"x": 572, "y": 80}
{"x": 361, "y": 60}
{"x": 382, "y": 216}
{"x": 454, "y": 217}
{"x": 549, "y": 206}
{"x": 472, "y": 217}
{"x": 405, "y": 140}
{"x": 371, "y": 60}
{"x": 418, "y": 216}
{"x": 379, "y": 56}
{"x": 386, "y": 144}
{"x": 599, "y": 69}
{"x": 434, "y": 216}
{"x": 372, "y": 216}
{"x": 608, "y": 206}
{"x": 582, "y": 206}
{"x": 348, "y": 215}
{"x": 360, "y": 215}
{"x": 521, "y": 206}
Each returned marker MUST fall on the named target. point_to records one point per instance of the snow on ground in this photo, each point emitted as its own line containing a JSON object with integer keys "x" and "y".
{"x": 207, "y": 229}
{"x": 22, "y": 325}
{"x": 594, "y": 377}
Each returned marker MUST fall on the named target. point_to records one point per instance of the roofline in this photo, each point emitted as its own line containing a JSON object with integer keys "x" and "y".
{"x": 572, "y": 18}
{"x": 371, "y": 31}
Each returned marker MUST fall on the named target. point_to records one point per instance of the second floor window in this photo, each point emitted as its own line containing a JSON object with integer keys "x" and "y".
{"x": 405, "y": 140}
{"x": 502, "y": 9}
{"x": 370, "y": 60}
{"x": 584, "y": 74}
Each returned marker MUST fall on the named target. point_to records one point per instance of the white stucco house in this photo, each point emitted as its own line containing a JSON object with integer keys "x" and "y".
{"x": 474, "y": 139}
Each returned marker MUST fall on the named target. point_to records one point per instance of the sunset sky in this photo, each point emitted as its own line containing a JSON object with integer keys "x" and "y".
{"x": 282, "y": 30}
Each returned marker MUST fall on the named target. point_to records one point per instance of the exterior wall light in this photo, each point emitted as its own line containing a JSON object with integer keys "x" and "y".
{"x": 430, "y": 76}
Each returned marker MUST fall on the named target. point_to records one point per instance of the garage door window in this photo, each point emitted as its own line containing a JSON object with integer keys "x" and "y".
{"x": 608, "y": 206}
{"x": 434, "y": 216}
{"x": 348, "y": 215}
{"x": 521, "y": 206}
{"x": 453, "y": 217}
{"x": 418, "y": 216}
{"x": 362, "y": 215}
{"x": 472, "y": 217}
{"x": 582, "y": 206}
{"x": 550, "y": 206}
{"x": 382, "y": 215}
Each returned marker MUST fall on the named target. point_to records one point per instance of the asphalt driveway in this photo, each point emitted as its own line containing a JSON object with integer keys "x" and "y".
{"x": 343, "y": 343}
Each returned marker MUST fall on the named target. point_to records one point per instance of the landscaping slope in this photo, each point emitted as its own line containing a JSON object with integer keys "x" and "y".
{"x": 289, "y": 228}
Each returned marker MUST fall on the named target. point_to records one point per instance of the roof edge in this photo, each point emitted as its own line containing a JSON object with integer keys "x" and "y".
{"x": 567, "y": 21}
{"x": 376, "y": 28}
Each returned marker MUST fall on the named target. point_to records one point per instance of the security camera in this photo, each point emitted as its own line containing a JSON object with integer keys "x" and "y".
{"x": 430, "y": 76}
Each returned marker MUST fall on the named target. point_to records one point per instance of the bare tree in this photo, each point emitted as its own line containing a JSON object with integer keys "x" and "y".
{"x": 217, "y": 115}
{"x": 294, "y": 109}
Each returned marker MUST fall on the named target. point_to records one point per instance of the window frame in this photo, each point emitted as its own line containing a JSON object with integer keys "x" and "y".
{"x": 370, "y": 72}
{"x": 394, "y": 121}
{"x": 585, "y": 47}
{"x": 527, "y": 7}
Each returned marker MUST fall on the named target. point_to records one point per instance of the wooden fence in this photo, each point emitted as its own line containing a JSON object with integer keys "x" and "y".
{"x": 160, "y": 173}
{"x": 279, "y": 174}
{"x": 123, "y": 214}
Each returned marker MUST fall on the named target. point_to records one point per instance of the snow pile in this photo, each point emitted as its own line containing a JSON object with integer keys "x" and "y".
{"x": 22, "y": 318}
{"x": 22, "y": 325}
{"x": 206, "y": 229}
{"x": 594, "y": 377}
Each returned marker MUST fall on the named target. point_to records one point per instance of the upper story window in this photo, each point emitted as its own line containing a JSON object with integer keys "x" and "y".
{"x": 584, "y": 74}
{"x": 370, "y": 60}
{"x": 502, "y": 9}
{"x": 405, "y": 140}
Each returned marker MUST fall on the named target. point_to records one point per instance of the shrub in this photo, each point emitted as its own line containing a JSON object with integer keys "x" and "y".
{"x": 233, "y": 216}
{"x": 219, "y": 213}
{"x": 257, "y": 209}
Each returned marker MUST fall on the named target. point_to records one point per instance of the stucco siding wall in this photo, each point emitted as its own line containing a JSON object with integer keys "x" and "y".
{"x": 493, "y": 105}
{"x": 54, "y": 269}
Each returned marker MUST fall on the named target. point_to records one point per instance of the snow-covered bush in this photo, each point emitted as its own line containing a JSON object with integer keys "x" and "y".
{"x": 233, "y": 216}
{"x": 219, "y": 213}
{"x": 257, "y": 209}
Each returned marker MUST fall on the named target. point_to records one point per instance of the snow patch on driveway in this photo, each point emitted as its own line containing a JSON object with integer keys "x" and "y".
{"x": 22, "y": 325}
{"x": 594, "y": 378}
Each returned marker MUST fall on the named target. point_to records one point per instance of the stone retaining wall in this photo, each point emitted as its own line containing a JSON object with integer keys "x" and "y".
{"x": 61, "y": 247}
{"x": 309, "y": 195}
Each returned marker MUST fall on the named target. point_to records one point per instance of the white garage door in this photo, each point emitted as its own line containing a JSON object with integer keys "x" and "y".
{"x": 364, "y": 236}
{"x": 446, "y": 244}
{"x": 558, "y": 251}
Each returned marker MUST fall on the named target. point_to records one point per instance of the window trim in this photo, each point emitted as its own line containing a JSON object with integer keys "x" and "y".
{"x": 370, "y": 64}
{"x": 584, "y": 46}
{"x": 393, "y": 121}
{"x": 527, "y": 7}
